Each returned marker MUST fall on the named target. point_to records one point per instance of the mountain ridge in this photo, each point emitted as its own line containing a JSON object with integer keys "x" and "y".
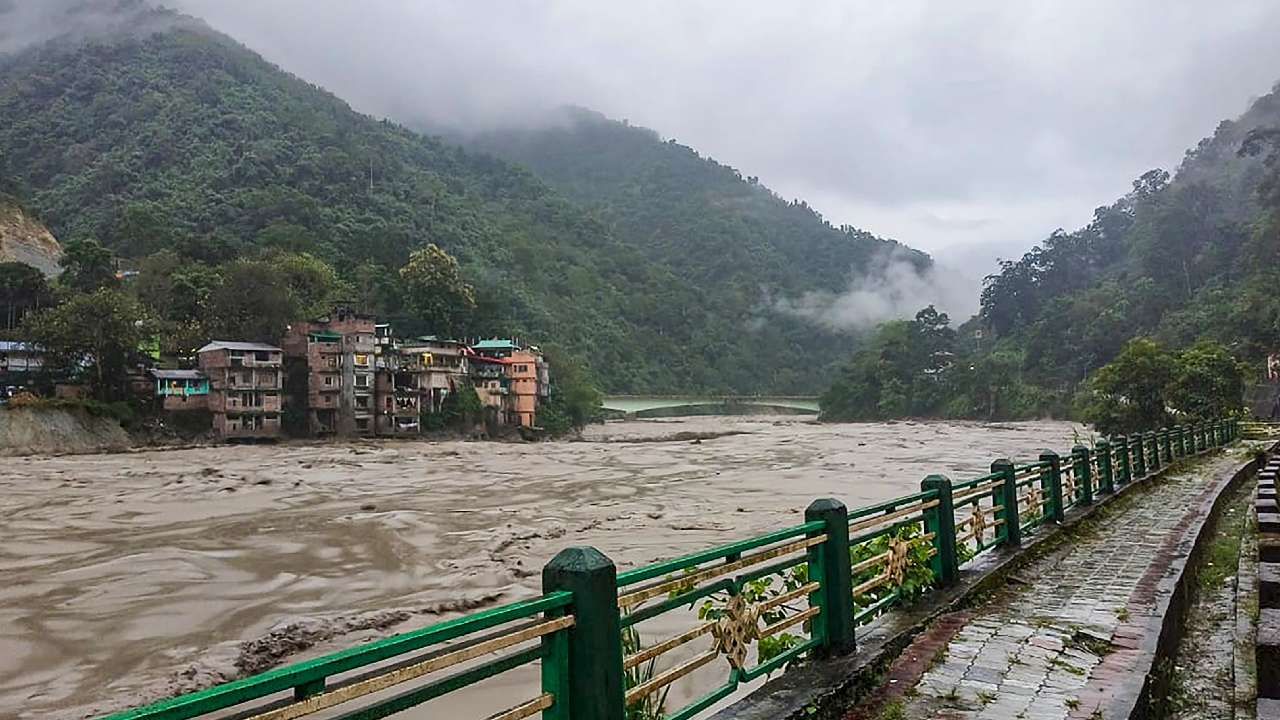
{"x": 183, "y": 139}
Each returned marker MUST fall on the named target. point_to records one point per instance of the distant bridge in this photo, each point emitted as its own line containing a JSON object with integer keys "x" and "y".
{"x": 640, "y": 405}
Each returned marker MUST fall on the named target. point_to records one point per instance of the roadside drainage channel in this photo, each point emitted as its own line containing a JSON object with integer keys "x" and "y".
{"x": 830, "y": 688}
{"x": 1267, "y": 647}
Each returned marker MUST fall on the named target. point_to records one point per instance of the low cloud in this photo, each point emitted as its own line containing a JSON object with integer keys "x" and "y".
{"x": 25, "y": 23}
{"x": 892, "y": 289}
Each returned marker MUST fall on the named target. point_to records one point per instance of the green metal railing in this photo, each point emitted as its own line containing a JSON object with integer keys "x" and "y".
{"x": 610, "y": 646}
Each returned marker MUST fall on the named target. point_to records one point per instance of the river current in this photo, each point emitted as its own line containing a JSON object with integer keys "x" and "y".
{"x": 127, "y": 577}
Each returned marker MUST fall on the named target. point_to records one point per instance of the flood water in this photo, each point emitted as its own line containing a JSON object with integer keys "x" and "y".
{"x": 130, "y": 576}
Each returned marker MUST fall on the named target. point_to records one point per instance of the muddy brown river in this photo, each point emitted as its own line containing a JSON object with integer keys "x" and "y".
{"x": 127, "y": 577}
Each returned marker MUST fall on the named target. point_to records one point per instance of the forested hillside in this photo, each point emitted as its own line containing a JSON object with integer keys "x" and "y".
{"x": 171, "y": 144}
{"x": 699, "y": 217}
{"x": 1188, "y": 260}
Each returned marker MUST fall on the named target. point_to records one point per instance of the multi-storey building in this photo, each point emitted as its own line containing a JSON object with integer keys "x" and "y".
{"x": 525, "y": 380}
{"x": 442, "y": 365}
{"x": 529, "y": 384}
{"x": 396, "y": 381}
{"x": 245, "y": 384}
{"x": 336, "y": 354}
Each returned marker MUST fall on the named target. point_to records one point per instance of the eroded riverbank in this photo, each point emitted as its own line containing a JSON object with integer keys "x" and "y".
{"x": 129, "y": 576}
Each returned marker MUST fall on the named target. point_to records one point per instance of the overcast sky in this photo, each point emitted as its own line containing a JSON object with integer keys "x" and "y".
{"x": 945, "y": 125}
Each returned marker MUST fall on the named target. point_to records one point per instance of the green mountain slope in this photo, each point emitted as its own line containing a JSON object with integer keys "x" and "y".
{"x": 702, "y": 219}
{"x": 169, "y": 135}
{"x": 1181, "y": 259}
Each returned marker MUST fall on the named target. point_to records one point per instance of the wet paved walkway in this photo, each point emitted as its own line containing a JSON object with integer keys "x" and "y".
{"x": 1070, "y": 630}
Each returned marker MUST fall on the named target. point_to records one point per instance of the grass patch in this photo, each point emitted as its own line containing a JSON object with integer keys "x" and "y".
{"x": 895, "y": 709}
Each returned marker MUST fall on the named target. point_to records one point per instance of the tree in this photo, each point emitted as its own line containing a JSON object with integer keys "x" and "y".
{"x": 435, "y": 290}
{"x": 313, "y": 285}
{"x": 1129, "y": 393}
{"x": 1207, "y": 383}
{"x": 252, "y": 303}
{"x": 96, "y": 332}
{"x": 573, "y": 400}
{"x": 87, "y": 266}
{"x": 22, "y": 290}
{"x": 900, "y": 372}
{"x": 143, "y": 228}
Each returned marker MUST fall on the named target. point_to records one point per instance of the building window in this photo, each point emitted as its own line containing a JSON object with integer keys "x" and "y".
{"x": 362, "y": 360}
{"x": 362, "y": 423}
{"x": 328, "y": 380}
{"x": 362, "y": 381}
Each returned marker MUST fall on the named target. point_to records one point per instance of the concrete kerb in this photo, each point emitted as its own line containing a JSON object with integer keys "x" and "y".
{"x": 825, "y": 690}
{"x": 1245, "y": 669}
{"x": 1144, "y": 700}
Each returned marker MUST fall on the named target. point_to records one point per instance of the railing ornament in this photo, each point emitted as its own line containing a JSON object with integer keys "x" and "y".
{"x": 736, "y": 630}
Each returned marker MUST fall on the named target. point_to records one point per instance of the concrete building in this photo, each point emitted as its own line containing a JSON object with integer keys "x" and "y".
{"x": 493, "y": 385}
{"x": 178, "y": 390}
{"x": 443, "y": 365}
{"x": 530, "y": 380}
{"x": 19, "y": 364}
{"x": 527, "y": 380}
{"x": 245, "y": 386}
{"x": 396, "y": 381}
{"x": 336, "y": 357}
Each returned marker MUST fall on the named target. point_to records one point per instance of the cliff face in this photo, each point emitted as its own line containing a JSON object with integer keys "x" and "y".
{"x": 25, "y": 239}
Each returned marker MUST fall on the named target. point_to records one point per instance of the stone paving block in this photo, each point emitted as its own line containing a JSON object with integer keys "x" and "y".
{"x": 1019, "y": 655}
{"x": 1269, "y": 585}
{"x": 1268, "y": 709}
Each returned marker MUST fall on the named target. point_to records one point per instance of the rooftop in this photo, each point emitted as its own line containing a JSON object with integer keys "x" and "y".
{"x": 178, "y": 375}
{"x": 231, "y": 345}
{"x": 496, "y": 344}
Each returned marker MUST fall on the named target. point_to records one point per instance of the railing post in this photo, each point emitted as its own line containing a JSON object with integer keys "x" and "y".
{"x": 1122, "y": 452}
{"x": 1084, "y": 473}
{"x": 1052, "y": 485}
{"x": 596, "y": 688}
{"x": 1106, "y": 480}
{"x": 1166, "y": 445}
{"x": 941, "y": 521}
{"x": 1199, "y": 437}
{"x": 1007, "y": 496}
{"x": 1152, "y": 446}
{"x": 829, "y": 565}
{"x": 1139, "y": 466}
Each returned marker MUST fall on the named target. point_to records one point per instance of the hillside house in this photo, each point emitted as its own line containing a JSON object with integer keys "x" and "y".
{"x": 177, "y": 390}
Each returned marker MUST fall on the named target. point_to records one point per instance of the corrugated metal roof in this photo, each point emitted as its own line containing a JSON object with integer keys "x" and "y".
{"x": 231, "y": 345}
{"x": 179, "y": 374}
{"x": 495, "y": 344}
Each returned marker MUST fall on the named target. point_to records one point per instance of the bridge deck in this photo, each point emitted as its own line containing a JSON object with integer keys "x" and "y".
{"x": 632, "y": 404}
{"x": 1074, "y": 640}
